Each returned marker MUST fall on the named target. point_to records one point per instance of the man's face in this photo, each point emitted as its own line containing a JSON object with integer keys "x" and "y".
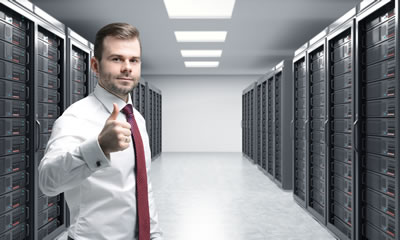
{"x": 119, "y": 68}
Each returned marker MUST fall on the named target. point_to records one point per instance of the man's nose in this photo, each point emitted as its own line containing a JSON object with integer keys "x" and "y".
{"x": 126, "y": 66}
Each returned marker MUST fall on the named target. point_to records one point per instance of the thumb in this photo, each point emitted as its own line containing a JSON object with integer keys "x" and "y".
{"x": 114, "y": 113}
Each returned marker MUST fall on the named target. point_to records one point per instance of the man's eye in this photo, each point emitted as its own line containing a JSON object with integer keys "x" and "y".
{"x": 135, "y": 60}
{"x": 115, "y": 59}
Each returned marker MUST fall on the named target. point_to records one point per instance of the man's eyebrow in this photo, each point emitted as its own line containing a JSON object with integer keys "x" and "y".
{"x": 117, "y": 55}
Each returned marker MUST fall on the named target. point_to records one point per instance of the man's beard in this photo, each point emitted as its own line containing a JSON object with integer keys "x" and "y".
{"x": 113, "y": 87}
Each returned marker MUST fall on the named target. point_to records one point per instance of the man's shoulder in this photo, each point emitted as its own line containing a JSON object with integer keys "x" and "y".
{"x": 86, "y": 107}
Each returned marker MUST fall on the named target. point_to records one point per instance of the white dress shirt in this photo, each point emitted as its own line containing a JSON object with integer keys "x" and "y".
{"x": 100, "y": 192}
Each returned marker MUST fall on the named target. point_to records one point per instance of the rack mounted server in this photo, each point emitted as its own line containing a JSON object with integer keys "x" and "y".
{"x": 44, "y": 68}
{"x": 266, "y": 110}
{"x": 346, "y": 124}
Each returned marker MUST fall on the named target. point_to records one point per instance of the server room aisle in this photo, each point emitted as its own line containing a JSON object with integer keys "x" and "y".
{"x": 218, "y": 196}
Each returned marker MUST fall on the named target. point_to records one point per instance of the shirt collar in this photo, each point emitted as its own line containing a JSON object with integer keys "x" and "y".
{"x": 107, "y": 99}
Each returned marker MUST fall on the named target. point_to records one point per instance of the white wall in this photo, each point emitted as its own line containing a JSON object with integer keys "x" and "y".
{"x": 201, "y": 113}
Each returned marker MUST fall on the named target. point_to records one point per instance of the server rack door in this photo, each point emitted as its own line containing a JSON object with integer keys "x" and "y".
{"x": 16, "y": 112}
{"x": 142, "y": 101}
{"x": 340, "y": 164}
{"x": 259, "y": 122}
{"x": 247, "y": 124}
{"x": 160, "y": 123}
{"x": 93, "y": 76}
{"x": 277, "y": 128}
{"x": 300, "y": 129}
{"x": 316, "y": 202}
{"x": 243, "y": 124}
{"x": 78, "y": 61}
{"x": 270, "y": 126}
{"x": 378, "y": 108}
{"x": 254, "y": 122}
{"x": 48, "y": 217}
{"x": 251, "y": 118}
{"x": 264, "y": 152}
{"x": 283, "y": 118}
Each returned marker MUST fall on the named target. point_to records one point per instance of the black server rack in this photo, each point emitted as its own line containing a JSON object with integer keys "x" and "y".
{"x": 147, "y": 99}
{"x": 51, "y": 34}
{"x": 152, "y": 94}
{"x": 78, "y": 71}
{"x": 377, "y": 109}
{"x": 15, "y": 138}
{"x": 300, "y": 126}
{"x": 270, "y": 125}
{"x": 93, "y": 79}
{"x": 340, "y": 154}
{"x": 263, "y": 111}
{"x": 33, "y": 75}
{"x": 317, "y": 114}
{"x": 139, "y": 97}
{"x": 158, "y": 125}
{"x": 258, "y": 132}
{"x": 283, "y": 163}
{"x": 245, "y": 122}
{"x": 250, "y": 120}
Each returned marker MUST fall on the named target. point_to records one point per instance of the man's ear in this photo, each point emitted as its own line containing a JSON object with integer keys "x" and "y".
{"x": 94, "y": 63}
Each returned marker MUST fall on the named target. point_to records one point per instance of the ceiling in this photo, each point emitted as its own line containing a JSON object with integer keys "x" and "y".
{"x": 261, "y": 33}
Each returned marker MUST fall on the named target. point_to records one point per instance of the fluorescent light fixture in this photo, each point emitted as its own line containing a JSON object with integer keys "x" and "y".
{"x": 200, "y": 36}
{"x": 199, "y": 9}
{"x": 200, "y": 64}
{"x": 201, "y": 53}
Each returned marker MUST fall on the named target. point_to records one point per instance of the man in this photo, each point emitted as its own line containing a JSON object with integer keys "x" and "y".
{"x": 100, "y": 157}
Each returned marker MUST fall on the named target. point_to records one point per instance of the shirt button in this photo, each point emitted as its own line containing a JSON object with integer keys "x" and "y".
{"x": 98, "y": 163}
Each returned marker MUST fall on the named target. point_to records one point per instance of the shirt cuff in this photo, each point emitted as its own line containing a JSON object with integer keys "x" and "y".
{"x": 93, "y": 155}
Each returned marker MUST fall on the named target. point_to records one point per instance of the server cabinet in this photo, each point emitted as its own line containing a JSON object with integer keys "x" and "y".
{"x": 377, "y": 121}
{"x": 51, "y": 35}
{"x": 283, "y": 163}
{"x": 264, "y": 124}
{"x": 265, "y": 121}
{"x": 151, "y": 95}
{"x": 317, "y": 113}
{"x": 243, "y": 124}
{"x": 340, "y": 164}
{"x": 93, "y": 79}
{"x": 258, "y": 132}
{"x": 158, "y": 125}
{"x": 250, "y": 120}
{"x": 139, "y": 97}
{"x": 78, "y": 61}
{"x": 270, "y": 124}
{"x": 16, "y": 141}
{"x": 300, "y": 126}
{"x": 35, "y": 76}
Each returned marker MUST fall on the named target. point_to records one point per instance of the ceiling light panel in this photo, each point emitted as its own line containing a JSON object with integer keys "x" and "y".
{"x": 199, "y": 9}
{"x": 201, "y": 53}
{"x": 201, "y": 64}
{"x": 200, "y": 36}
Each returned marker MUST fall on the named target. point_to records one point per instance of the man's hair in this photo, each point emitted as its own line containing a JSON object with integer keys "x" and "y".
{"x": 122, "y": 31}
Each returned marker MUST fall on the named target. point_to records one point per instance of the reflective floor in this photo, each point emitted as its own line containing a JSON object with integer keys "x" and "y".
{"x": 207, "y": 196}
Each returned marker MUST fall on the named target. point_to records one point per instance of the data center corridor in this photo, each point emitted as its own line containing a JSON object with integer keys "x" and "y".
{"x": 217, "y": 196}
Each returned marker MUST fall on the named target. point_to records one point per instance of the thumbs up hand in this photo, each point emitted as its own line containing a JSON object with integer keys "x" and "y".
{"x": 115, "y": 135}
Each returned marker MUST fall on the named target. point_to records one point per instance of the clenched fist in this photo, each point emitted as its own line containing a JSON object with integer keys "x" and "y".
{"x": 115, "y": 135}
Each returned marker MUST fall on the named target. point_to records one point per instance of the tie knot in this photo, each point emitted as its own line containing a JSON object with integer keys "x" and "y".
{"x": 127, "y": 110}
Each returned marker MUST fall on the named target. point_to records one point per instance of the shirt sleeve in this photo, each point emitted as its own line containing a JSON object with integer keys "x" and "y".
{"x": 70, "y": 157}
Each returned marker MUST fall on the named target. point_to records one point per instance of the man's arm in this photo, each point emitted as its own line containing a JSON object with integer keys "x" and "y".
{"x": 70, "y": 157}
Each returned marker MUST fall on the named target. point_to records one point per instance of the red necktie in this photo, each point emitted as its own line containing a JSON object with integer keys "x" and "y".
{"x": 141, "y": 176}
